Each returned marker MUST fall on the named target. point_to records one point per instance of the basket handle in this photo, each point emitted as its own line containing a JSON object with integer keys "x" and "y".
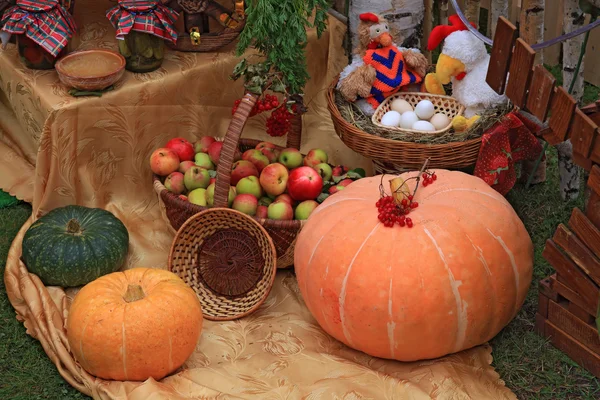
{"x": 231, "y": 141}
{"x": 230, "y": 147}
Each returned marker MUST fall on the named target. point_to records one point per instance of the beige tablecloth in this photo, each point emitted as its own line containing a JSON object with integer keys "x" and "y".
{"x": 57, "y": 150}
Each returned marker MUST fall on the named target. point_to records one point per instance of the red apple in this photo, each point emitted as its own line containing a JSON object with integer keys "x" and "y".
{"x": 183, "y": 148}
{"x": 249, "y": 185}
{"x": 280, "y": 210}
{"x": 274, "y": 178}
{"x": 163, "y": 161}
{"x": 185, "y": 165}
{"x": 265, "y": 145}
{"x": 271, "y": 154}
{"x": 304, "y": 209}
{"x": 242, "y": 169}
{"x": 335, "y": 189}
{"x": 214, "y": 152}
{"x": 262, "y": 212}
{"x": 202, "y": 144}
{"x": 257, "y": 158}
{"x": 345, "y": 182}
{"x": 340, "y": 170}
{"x": 212, "y": 180}
{"x": 304, "y": 184}
{"x": 315, "y": 157}
{"x": 286, "y": 198}
{"x": 291, "y": 158}
{"x": 174, "y": 183}
{"x": 183, "y": 197}
{"x": 245, "y": 203}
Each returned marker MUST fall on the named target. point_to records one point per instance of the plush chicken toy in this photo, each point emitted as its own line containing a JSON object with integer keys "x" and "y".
{"x": 379, "y": 68}
{"x": 463, "y": 61}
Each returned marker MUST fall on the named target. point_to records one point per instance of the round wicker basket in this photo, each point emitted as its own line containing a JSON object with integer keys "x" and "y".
{"x": 283, "y": 233}
{"x": 401, "y": 155}
{"x": 228, "y": 259}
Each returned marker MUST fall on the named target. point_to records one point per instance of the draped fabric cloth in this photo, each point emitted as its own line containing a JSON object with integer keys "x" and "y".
{"x": 144, "y": 16}
{"x": 57, "y": 150}
{"x": 46, "y": 22}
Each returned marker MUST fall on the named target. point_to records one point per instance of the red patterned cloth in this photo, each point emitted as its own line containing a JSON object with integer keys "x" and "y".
{"x": 46, "y": 22}
{"x": 144, "y": 16}
{"x": 506, "y": 143}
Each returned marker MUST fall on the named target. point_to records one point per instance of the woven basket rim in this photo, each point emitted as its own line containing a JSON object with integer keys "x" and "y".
{"x": 249, "y": 220}
{"x": 391, "y": 98}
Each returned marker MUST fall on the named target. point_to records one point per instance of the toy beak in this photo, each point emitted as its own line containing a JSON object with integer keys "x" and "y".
{"x": 448, "y": 67}
{"x": 385, "y": 39}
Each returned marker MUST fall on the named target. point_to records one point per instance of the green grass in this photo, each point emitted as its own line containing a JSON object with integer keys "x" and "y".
{"x": 26, "y": 372}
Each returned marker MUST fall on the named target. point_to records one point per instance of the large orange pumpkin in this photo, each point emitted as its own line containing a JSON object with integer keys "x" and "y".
{"x": 451, "y": 282}
{"x": 134, "y": 325}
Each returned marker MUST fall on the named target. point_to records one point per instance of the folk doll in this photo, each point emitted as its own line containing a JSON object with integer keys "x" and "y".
{"x": 43, "y": 29}
{"x": 142, "y": 27}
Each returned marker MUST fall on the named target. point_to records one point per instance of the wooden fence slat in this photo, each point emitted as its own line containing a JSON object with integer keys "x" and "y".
{"x": 582, "y": 133}
{"x": 595, "y": 156}
{"x": 569, "y": 294}
{"x": 583, "y": 162}
{"x": 585, "y": 230}
{"x": 575, "y": 327}
{"x": 571, "y": 275}
{"x": 540, "y": 92}
{"x": 574, "y": 349}
{"x": 521, "y": 66}
{"x": 506, "y": 34}
{"x": 592, "y": 209}
{"x": 594, "y": 180}
{"x": 563, "y": 109}
{"x": 578, "y": 252}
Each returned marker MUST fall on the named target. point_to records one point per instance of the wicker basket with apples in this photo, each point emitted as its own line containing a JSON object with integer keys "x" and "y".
{"x": 279, "y": 187}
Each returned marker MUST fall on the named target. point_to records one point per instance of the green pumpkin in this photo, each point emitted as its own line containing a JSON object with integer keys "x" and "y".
{"x": 74, "y": 245}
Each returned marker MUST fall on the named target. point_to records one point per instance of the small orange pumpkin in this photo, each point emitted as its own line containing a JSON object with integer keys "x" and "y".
{"x": 451, "y": 282}
{"x": 134, "y": 325}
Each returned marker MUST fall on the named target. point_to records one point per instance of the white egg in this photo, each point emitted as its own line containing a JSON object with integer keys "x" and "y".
{"x": 423, "y": 126}
{"x": 440, "y": 121}
{"x": 401, "y": 106}
{"x": 425, "y": 110}
{"x": 391, "y": 118}
{"x": 408, "y": 120}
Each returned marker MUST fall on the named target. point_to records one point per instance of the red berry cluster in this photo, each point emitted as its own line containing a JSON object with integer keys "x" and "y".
{"x": 429, "y": 178}
{"x": 267, "y": 103}
{"x": 390, "y": 213}
{"x": 278, "y": 124}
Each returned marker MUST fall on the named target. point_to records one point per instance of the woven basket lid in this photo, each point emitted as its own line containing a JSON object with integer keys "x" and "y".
{"x": 229, "y": 260}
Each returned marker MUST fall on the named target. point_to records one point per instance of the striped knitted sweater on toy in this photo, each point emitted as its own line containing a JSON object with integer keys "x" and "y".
{"x": 392, "y": 73}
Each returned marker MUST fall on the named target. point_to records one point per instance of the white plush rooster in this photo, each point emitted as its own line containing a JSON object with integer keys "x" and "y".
{"x": 464, "y": 61}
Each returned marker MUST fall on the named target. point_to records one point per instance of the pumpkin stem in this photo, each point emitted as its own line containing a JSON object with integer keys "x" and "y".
{"x": 73, "y": 227}
{"x": 134, "y": 293}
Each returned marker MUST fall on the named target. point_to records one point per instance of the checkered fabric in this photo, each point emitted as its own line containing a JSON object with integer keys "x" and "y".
{"x": 144, "y": 16}
{"x": 46, "y": 22}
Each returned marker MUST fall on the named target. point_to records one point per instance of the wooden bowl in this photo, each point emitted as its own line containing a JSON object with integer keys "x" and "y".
{"x": 91, "y": 70}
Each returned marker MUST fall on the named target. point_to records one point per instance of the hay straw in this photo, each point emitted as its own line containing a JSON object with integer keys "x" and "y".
{"x": 351, "y": 113}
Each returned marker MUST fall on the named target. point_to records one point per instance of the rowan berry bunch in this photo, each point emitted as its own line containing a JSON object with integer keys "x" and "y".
{"x": 279, "y": 122}
{"x": 392, "y": 213}
{"x": 266, "y": 103}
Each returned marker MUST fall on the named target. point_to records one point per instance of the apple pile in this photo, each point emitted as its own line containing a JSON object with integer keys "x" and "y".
{"x": 265, "y": 182}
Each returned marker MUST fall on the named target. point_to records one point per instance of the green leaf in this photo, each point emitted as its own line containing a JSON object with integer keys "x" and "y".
{"x": 359, "y": 171}
{"x": 322, "y": 197}
{"x": 212, "y": 173}
{"x": 240, "y": 69}
{"x": 338, "y": 179}
{"x": 278, "y": 86}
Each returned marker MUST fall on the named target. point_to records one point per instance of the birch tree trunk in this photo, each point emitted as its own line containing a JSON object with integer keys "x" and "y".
{"x": 569, "y": 172}
{"x": 532, "y": 24}
{"x": 499, "y": 8}
{"x": 472, "y": 8}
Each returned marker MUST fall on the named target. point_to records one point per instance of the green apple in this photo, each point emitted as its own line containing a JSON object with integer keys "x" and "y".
{"x": 325, "y": 171}
{"x": 315, "y": 157}
{"x": 203, "y": 160}
{"x": 305, "y": 208}
{"x": 280, "y": 210}
{"x": 291, "y": 158}
{"x": 210, "y": 195}
{"x": 264, "y": 201}
{"x": 249, "y": 185}
{"x": 198, "y": 197}
{"x": 196, "y": 177}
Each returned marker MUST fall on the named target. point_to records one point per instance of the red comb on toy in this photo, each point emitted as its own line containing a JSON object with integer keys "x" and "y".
{"x": 441, "y": 32}
{"x": 368, "y": 17}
